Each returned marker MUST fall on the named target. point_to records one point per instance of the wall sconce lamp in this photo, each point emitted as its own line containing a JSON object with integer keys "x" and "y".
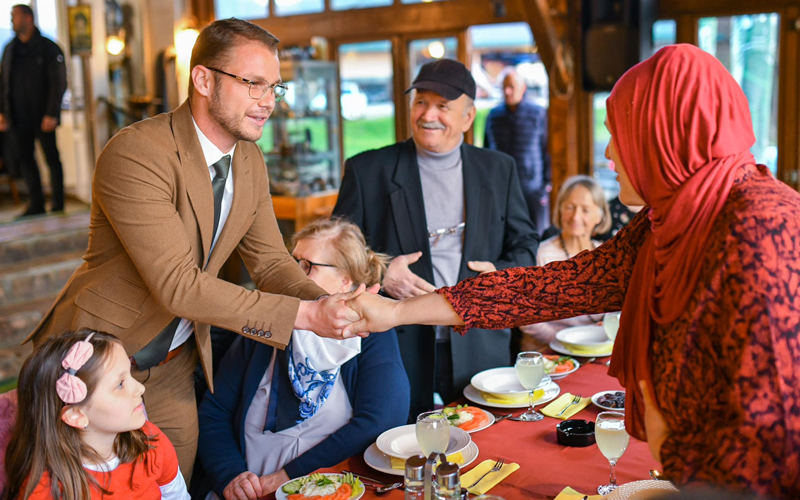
{"x": 436, "y": 49}
{"x": 184, "y": 43}
{"x": 115, "y": 45}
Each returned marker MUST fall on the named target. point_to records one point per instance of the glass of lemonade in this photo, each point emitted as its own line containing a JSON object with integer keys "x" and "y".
{"x": 530, "y": 371}
{"x": 611, "y": 324}
{"x": 612, "y": 439}
{"x": 433, "y": 432}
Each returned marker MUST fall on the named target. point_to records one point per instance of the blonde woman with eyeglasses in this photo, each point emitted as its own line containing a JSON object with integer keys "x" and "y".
{"x": 278, "y": 415}
{"x": 581, "y": 213}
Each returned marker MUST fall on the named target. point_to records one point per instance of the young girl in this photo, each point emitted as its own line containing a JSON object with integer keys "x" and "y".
{"x": 81, "y": 431}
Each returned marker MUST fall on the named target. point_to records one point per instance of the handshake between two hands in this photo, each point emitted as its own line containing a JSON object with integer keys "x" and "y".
{"x": 345, "y": 315}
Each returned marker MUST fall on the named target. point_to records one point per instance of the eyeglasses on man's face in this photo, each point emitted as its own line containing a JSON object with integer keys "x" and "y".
{"x": 306, "y": 265}
{"x": 257, "y": 89}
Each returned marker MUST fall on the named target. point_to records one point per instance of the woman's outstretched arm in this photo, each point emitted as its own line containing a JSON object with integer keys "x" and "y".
{"x": 591, "y": 282}
{"x": 377, "y": 312}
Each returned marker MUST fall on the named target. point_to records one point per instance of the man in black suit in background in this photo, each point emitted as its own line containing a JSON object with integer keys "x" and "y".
{"x": 447, "y": 211}
{"x": 33, "y": 80}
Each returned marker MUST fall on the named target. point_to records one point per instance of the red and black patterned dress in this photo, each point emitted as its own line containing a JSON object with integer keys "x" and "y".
{"x": 727, "y": 371}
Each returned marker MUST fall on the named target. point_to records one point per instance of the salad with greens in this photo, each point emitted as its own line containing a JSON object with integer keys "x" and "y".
{"x": 324, "y": 487}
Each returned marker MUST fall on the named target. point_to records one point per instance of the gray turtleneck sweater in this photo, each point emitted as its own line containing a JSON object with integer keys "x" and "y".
{"x": 443, "y": 193}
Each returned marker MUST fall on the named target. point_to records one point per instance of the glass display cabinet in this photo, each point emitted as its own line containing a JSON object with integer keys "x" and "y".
{"x": 301, "y": 143}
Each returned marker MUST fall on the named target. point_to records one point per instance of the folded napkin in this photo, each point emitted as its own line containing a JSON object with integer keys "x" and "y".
{"x": 400, "y": 463}
{"x": 490, "y": 481}
{"x": 570, "y": 494}
{"x": 511, "y": 399}
{"x": 559, "y": 404}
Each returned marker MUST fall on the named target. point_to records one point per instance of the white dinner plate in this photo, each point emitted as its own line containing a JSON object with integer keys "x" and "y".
{"x": 280, "y": 495}
{"x": 559, "y": 376}
{"x": 551, "y": 391}
{"x": 502, "y": 381}
{"x": 380, "y": 462}
{"x": 606, "y": 408}
{"x": 562, "y": 349}
{"x": 625, "y": 491}
{"x": 584, "y": 337}
{"x": 401, "y": 442}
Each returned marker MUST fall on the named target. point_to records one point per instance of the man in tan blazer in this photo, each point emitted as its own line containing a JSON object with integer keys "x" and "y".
{"x": 150, "y": 273}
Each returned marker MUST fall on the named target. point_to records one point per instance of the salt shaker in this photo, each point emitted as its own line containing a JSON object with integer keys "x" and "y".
{"x": 415, "y": 478}
{"x": 448, "y": 482}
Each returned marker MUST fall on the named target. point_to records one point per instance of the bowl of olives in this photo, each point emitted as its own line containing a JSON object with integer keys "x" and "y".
{"x": 610, "y": 400}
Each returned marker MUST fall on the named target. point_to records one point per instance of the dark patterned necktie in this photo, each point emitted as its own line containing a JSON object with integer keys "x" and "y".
{"x": 221, "y": 169}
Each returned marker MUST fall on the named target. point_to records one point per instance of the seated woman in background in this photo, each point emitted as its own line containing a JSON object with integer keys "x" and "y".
{"x": 581, "y": 212}
{"x": 277, "y": 415}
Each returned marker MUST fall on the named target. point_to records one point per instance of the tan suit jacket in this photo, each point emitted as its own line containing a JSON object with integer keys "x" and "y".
{"x": 149, "y": 240}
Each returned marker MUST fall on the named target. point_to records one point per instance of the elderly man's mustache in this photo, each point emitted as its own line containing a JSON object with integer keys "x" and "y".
{"x": 430, "y": 125}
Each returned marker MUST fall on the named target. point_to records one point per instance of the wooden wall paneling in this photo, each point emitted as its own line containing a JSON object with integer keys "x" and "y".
{"x": 463, "y": 52}
{"x": 584, "y": 133}
{"x": 686, "y": 29}
{"x": 789, "y": 98}
{"x": 203, "y": 11}
{"x": 399, "y": 58}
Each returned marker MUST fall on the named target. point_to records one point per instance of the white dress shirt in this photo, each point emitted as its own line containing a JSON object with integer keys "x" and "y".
{"x": 212, "y": 155}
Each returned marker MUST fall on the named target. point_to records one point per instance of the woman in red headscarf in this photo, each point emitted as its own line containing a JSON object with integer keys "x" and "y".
{"x": 707, "y": 277}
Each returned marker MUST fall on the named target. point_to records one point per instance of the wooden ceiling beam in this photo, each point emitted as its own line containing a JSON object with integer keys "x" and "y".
{"x": 385, "y": 22}
{"x": 537, "y": 14}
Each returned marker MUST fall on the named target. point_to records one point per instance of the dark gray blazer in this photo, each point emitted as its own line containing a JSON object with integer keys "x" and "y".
{"x": 382, "y": 193}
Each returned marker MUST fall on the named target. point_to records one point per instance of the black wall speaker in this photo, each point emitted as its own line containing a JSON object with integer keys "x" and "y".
{"x": 617, "y": 34}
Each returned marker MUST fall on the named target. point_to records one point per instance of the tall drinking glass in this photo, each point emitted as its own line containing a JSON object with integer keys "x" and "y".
{"x": 611, "y": 324}
{"x": 530, "y": 371}
{"x": 612, "y": 439}
{"x": 433, "y": 432}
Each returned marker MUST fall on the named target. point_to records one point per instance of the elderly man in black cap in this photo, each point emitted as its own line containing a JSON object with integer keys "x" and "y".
{"x": 447, "y": 211}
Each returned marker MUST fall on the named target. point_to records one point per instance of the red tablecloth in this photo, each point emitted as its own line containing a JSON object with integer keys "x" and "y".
{"x": 546, "y": 467}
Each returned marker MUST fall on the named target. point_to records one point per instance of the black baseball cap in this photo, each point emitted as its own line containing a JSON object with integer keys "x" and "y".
{"x": 446, "y": 77}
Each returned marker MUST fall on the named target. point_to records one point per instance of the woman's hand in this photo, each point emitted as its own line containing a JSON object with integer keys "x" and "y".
{"x": 272, "y": 482}
{"x": 654, "y": 424}
{"x": 245, "y": 486}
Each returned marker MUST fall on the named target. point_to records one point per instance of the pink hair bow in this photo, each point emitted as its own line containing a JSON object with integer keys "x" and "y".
{"x": 69, "y": 387}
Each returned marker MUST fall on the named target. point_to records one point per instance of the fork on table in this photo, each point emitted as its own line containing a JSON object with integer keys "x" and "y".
{"x": 575, "y": 400}
{"x": 497, "y": 466}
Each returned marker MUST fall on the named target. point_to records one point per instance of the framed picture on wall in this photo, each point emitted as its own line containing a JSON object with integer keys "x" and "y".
{"x": 80, "y": 29}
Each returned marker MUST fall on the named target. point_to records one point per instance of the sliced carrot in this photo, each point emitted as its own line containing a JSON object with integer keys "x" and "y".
{"x": 561, "y": 367}
{"x": 479, "y": 418}
{"x": 296, "y": 496}
{"x": 564, "y": 367}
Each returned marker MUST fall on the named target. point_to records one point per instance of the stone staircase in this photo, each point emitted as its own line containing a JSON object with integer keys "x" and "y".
{"x": 37, "y": 257}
